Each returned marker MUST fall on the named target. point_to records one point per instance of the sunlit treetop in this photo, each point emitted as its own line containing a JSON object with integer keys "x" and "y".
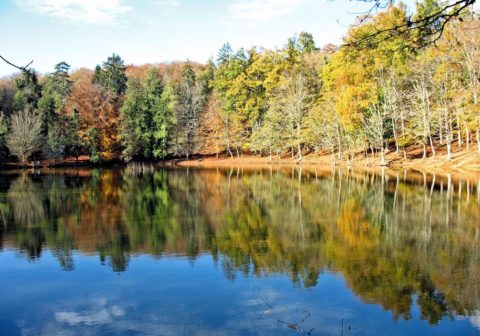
{"x": 425, "y": 27}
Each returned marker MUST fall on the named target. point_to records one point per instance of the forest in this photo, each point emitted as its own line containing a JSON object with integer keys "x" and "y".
{"x": 383, "y": 90}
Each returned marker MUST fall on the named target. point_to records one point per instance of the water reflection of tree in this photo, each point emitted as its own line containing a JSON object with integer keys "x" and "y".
{"x": 393, "y": 240}
{"x": 26, "y": 201}
{"x": 28, "y": 214}
{"x": 35, "y": 218}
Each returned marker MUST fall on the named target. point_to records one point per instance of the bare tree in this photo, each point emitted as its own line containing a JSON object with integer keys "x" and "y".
{"x": 294, "y": 99}
{"x": 424, "y": 116}
{"x": 468, "y": 41}
{"x": 25, "y": 135}
{"x": 375, "y": 125}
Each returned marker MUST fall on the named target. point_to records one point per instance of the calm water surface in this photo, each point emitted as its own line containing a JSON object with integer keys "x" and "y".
{"x": 234, "y": 252}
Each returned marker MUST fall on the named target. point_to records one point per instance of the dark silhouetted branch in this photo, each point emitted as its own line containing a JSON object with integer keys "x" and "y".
{"x": 430, "y": 27}
{"x": 21, "y": 68}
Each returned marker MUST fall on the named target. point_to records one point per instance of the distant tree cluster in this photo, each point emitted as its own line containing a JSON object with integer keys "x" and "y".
{"x": 104, "y": 114}
{"x": 373, "y": 94}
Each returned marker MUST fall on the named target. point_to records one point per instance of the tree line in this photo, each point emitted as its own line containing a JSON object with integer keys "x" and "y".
{"x": 373, "y": 95}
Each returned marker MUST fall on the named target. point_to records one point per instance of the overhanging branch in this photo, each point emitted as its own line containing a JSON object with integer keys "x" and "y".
{"x": 21, "y": 68}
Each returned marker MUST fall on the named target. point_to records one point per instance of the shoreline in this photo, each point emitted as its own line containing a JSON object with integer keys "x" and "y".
{"x": 463, "y": 160}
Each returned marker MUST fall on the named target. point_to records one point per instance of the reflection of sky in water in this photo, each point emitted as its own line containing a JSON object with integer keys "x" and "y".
{"x": 173, "y": 296}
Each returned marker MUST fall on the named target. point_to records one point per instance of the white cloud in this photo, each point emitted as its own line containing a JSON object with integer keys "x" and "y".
{"x": 79, "y": 11}
{"x": 168, "y": 3}
{"x": 252, "y": 12}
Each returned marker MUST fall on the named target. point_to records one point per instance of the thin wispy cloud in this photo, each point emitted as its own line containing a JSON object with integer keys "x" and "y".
{"x": 168, "y": 3}
{"x": 251, "y": 12}
{"x": 99, "y": 12}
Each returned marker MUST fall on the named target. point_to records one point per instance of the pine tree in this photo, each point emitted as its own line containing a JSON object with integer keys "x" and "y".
{"x": 111, "y": 76}
{"x": 190, "y": 102}
{"x": 55, "y": 92}
{"x": 28, "y": 91}
{"x": 163, "y": 120}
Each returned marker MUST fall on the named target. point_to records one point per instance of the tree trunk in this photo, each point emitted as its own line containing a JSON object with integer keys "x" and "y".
{"x": 227, "y": 136}
{"x": 478, "y": 139}
{"x": 431, "y": 145}
{"x": 449, "y": 150}
{"x": 299, "y": 142}
{"x": 334, "y": 161}
{"x": 459, "y": 134}
{"x": 382, "y": 156}
{"x": 395, "y": 137}
{"x": 217, "y": 143}
{"x": 467, "y": 137}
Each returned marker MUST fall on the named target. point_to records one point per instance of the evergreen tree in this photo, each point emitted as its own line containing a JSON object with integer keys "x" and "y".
{"x": 146, "y": 118}
{"x": 224, "y": 54}
{"x": 163, "y": 120}
{"x": 190, "y": 103}
{"x": 111, "y": 76}
{"x": 73, "y": 140}
{"x": 55, "y": 92}
{"x": 28, "y": 91}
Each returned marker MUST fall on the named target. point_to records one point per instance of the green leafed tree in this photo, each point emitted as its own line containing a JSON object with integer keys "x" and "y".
{"x": 163, "y": 120}
{"x": 111, "y": 76}
{"x": 55, "y": 93}
{"x": 146, "y": 118}
{"x": 74, "y": 141}
{"x": 190, "y": 103}
{"x": 93, "y": 143}
{"x": 28, "y": 91}
{"x": 132, "y": 116}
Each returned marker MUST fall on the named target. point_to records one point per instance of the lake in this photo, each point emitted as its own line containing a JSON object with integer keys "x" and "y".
{"x": 275, "y": 251}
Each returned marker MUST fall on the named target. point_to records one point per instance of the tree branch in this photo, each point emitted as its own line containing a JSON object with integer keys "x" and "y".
{"x": 21, "y": 68}
{"x": 433, "y": 25}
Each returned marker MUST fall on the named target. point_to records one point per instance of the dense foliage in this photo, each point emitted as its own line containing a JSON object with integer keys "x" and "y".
{"x": 371, "y": 98}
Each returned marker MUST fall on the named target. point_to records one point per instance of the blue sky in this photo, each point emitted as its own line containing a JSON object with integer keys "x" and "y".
{"x": 84, "y": 32}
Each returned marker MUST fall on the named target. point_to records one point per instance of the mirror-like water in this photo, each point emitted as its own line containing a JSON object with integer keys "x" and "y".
{"x": 233, "y": 252}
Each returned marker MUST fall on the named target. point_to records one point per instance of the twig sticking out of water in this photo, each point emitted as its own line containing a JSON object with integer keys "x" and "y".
{"x": 342, "y": 329}
{"x": 267, "y": 310}
{"x": 265, "y": 301}
{"x": 296, "y": 327}
{"x": 307, "y": 315}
